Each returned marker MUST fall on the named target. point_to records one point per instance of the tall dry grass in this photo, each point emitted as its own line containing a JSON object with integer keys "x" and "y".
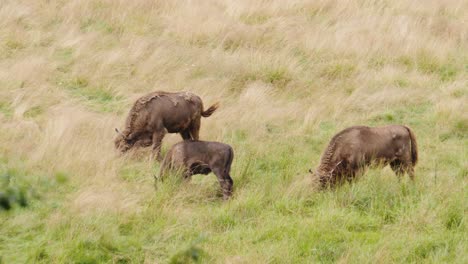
{"x": 288, "y": 76}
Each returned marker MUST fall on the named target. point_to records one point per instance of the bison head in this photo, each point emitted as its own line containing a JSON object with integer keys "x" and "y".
{"x": 121, "y": 142}
{"x": 324, "y": 179}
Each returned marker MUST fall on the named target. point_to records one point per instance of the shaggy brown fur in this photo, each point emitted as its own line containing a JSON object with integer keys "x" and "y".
{"x": 201, "y": 157}
{"x": 353, "y": 149}
{"x": 158, "y": 113}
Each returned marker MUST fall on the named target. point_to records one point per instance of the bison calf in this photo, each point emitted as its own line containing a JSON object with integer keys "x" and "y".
{"x": 354, "y": 148}
{"x": 201, "y": 157}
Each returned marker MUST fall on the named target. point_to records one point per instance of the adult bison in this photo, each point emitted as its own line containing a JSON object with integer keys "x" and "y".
{"x": 357, "y": 147}
{"x": 158, "y": 113}
{"x": 201, "y": 157}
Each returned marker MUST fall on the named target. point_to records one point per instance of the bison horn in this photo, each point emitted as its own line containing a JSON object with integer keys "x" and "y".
{"x": 118, "y": 132}
{"x": 310, "y": 170}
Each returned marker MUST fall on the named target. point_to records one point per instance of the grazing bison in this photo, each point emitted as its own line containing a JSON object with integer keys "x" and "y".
{"x": 201, "y": 157}
{"x": 354, "y": 148}
{"x": 158, "y": 113}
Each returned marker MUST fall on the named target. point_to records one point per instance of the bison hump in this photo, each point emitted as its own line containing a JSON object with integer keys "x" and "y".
{"x": 140, "y": 104}
{"x": 188, "y": 96}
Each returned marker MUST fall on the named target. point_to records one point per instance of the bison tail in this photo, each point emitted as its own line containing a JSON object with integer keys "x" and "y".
{"x": 210, "y": 110}
{"x": 229, "y": 160}
{"x": 414, "y": 146}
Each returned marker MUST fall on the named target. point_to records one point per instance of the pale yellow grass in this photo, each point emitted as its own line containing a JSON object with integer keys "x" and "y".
{"x": 291, "y": 65}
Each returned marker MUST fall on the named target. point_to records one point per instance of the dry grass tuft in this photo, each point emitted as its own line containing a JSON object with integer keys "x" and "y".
{"x": 288, "y": 76}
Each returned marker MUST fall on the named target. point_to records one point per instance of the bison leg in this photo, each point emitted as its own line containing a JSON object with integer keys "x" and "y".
{"x": 397, "y": 167}
{"x": 407, "y": 165}
{"x": 410, "y": 171}
{"x": 164, "y": 169}
{"x": 185, "y": 135}
{"x": 157, "y": 139}
{"x": 225, "y": 181}
{"x": 195, "y": 129}
{"x": 408, "y": 168}
{"x": 402, "y": 167}
{"x": 355, "y": 172}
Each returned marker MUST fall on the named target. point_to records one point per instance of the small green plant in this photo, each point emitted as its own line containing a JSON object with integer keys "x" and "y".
{"x": 427, "y": 63}
{"x": 338, "y": 71}
{"x": 406, "y": 61}
{"x": 92, "y": 24}
{"x": 14, "y": 44}
{"x": 12, "y": 192}
{"x": 95, "y": 97}
{"x": 447, "y": 72}
{"x": 61, "y": 177}
{"x": 402, "y": 83}
{"x": 277, "y": 76}
{"x": 192, "y": 254}
{"x": 377, "y": 62}
{"x": 254, "y": 19}
{"x": 34, "y": 111}
{"x": 5, "y": 109}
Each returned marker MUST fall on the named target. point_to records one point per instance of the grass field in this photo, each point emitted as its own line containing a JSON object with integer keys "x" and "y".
{"x": 288, "y": 75}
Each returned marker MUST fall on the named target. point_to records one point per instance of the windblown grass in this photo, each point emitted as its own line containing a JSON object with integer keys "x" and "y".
{"x": 288, "y": 74}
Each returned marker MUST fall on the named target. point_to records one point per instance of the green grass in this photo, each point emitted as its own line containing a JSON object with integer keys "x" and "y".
{"x": 95, "y": 97}
{"x": 6, "y": 109}
{"x": 277, "y": 76}
{"x": 411, "y": 222}
{"x": 288, "y": 76}
{"x": 254, "y": 19}
{"x": 339, "y": 71}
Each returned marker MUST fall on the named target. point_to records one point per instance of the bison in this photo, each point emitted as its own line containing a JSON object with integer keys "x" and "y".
{"x": 201, "y": 157}
{"x": 353, "y": 149}
{"x": 158, "y": 113}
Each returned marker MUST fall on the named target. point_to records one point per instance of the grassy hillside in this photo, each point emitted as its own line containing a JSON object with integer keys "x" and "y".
{"x": 288, "y": 75}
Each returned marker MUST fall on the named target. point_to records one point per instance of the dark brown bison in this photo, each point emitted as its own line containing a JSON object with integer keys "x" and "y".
{"x": 158, "y": 113}
{"x": 353, "y": 149}
{"x": 201, "y": 157}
